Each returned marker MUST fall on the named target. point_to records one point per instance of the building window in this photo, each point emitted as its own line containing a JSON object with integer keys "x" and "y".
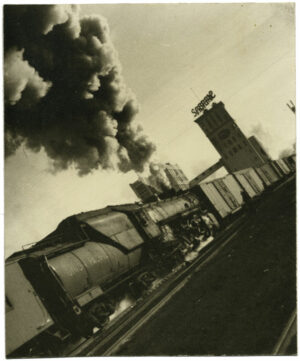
{"x": 214, "y": 120}
{"x": 219, "y": 118}
{"x": 210, "y": 125}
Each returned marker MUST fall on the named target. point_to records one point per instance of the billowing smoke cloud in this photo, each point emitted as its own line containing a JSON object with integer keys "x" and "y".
{"x": 65, "y": 93}
{"x": 158, "y": 177}
{"x": 20, "y": 78}
{"x": 259, "y": 131}
{"x": 288, "y": 151}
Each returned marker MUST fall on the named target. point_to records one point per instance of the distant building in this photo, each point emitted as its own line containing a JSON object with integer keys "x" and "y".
{"x": 177, "y": 178}
{"x": 257, "y": 146}
{"x": 235, "y": 149}
{"x": 143, "y": 190}
{"x": 163, "y": 182}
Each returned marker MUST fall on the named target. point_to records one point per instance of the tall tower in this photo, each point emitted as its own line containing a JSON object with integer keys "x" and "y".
{"x": 220, "y": 128}
{"x": 259, "y": 148}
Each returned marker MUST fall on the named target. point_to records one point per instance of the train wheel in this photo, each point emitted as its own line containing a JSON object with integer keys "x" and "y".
{"x": 111, "y": 305}
{"x": 139, "y": 286}
{"x": 152, "y": 277}
{"x": 99, "y": 314}
{"x": 146, "y": 280}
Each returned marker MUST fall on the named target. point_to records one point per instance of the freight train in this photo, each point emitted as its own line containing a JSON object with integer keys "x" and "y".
{"x": 67, "y": 285}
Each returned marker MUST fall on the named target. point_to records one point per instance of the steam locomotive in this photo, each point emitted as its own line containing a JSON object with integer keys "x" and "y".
{"x": 70, "y": 282}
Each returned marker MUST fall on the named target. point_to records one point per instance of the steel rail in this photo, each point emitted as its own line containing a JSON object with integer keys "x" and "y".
{"x": 285, "y": 339}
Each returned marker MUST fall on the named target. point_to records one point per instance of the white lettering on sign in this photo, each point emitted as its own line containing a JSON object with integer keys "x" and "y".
{"x": 203, "y": 104}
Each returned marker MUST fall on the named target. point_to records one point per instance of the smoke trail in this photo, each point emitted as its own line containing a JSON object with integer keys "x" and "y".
{"x": 122, "y": 305}
{"x": 288, "y": 151}
{"x": 158, "y": 177}
{"x": 65, "y": 93}
{"x": 259, "y": 131}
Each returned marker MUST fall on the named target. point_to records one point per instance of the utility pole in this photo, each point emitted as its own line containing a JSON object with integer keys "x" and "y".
{"x": 292, "y": 106}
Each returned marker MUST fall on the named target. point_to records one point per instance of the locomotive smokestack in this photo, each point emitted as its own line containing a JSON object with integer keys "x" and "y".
{"x": 65, "y": 93}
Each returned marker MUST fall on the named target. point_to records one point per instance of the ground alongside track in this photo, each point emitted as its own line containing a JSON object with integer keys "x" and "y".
{"x": 240, "y": 302}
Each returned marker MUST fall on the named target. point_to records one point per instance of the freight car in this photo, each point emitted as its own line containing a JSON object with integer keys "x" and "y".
{"x": 72, "y": 279}
{"x": 290, "y": 161}
{"x": 223, "y": 196}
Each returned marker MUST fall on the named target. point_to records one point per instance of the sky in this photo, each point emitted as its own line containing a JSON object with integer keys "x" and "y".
{"x": 171, "y": 56}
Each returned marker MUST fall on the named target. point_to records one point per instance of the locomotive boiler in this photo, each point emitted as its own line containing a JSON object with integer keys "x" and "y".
{"x": 78, "y": 272}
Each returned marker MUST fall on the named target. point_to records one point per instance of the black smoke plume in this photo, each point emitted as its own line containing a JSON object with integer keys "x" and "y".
{"x": 65, "y": 93}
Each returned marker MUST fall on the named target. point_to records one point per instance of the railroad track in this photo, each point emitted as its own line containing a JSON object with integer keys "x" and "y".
{"x": 286, "y": 337}
{"x": 107, "y": 341}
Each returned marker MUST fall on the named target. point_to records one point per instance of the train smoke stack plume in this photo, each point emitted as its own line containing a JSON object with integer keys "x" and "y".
{"x": 158, "y": 177}
{"x": 65, "y": 93}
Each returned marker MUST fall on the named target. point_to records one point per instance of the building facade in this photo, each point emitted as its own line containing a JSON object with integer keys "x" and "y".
{"x": 230, "y": 142}
{"x": 177, "y": 178}
{"x": 259, "y": 149}
{"x": 164, "y": 181}
{"x": 143, "y": 190}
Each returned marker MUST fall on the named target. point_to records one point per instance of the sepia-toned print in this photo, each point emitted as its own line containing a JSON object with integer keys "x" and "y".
{"x": 150, "y": 170}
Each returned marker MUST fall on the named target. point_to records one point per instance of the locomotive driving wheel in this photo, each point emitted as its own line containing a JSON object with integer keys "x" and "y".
{"x": 100, "y": 312}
